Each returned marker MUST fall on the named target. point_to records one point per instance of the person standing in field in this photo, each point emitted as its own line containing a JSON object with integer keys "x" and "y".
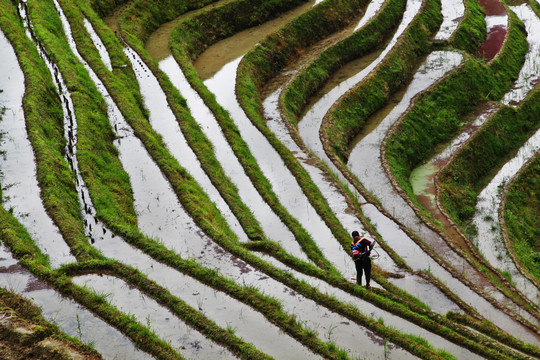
{"x": 361, "y": 251}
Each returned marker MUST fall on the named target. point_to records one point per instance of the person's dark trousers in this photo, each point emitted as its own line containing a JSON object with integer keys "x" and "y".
{"x": 363, "y": 265}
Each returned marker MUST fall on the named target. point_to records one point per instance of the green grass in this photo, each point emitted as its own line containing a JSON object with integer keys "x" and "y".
{"x": 23, "y": 309}
{"x": 362, "y": 42}
{"x": 44, "y": 122}
{"x": 472, "y": 30}
{"x": 349, "y": 114}
{"x": 521, "y": 215}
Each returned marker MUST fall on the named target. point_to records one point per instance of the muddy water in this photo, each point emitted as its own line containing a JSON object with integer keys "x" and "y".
{"x": 185, "y": 340}
{"x": 489, "y": 239}
{"x": 497, "y": 25}
{"x": 158, "y": 42}
{"x": 231, "y": 48}
{"x": 73, "y": 319}
{"x": 333, "y": 196}
{"x": 420, "y": 261}
{"x": 389, "y": 319}
{"x": 452, "y": 12}
{"x": 272, "y": 226}
{"x": 219, "y": 307}
{"x": 529, "y": 75}
{"x": 17, "y": 164}
{"x": 422, "y": 178}
{"x": 311, "y": 122}
{"x": 283, "y": 182}
{"x": 164, "y": 122}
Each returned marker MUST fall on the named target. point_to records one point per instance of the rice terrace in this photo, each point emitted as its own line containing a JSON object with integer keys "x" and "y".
{"x": 181, "y": 179}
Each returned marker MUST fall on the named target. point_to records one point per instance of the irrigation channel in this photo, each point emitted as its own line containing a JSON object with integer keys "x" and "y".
{"x": 323, "y": 313}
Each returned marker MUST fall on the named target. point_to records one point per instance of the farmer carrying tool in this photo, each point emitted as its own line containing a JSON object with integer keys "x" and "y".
{"x": 361, "y": 250}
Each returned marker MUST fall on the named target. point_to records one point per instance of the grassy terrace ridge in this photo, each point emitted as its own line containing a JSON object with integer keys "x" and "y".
{"x": 312, "y": 79}
{"x": 196, "y": 139}
{"x": 42, "y": 339}
{"x": 472, "y": 30}
{"x": 349, "y": 113}
{"x": 463, "y": 179}
{"x": 44, "y": 121}
{"x": 447, "y": 103}
{"x": 188, "y": 40}
{"x": 101, "y": 169}
{"x": 309, "y": 292}
{"x": 520, "y": 220}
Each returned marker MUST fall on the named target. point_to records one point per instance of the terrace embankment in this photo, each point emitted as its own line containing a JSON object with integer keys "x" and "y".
{"x": 406, "y": 134}
{"x": 519, "y": 222}
{"x": 25, "y": 334}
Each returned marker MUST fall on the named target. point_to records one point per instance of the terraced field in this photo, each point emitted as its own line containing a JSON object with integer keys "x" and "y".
{"x": 180, "y": 179}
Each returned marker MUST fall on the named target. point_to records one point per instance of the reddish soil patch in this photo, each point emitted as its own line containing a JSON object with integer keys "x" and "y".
{"x": 491, "y": 47}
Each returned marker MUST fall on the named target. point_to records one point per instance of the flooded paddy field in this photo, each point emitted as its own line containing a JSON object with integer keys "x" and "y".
{"x": 178, "y": 264}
